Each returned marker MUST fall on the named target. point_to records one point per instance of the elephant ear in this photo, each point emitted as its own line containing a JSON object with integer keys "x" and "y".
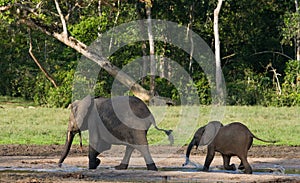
{"x": 80, "y": 111}
{"x": 210, "y": 132}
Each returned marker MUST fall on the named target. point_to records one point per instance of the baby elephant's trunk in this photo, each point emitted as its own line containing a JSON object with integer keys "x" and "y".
{"x": 188, "y": 152}
{"x": 69, "y": 140}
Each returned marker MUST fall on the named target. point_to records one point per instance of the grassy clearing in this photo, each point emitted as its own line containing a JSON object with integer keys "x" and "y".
{"x": 22, "y": 124}
{"x": 269, "y": 123}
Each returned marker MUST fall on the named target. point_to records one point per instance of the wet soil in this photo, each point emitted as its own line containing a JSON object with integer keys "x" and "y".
{"x": 34, "y": 163}
{"x": 55, "y": 150}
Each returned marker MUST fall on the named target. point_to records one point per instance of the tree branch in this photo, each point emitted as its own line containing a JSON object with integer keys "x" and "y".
{"x": 81, "y": 48}
{"x": 48, "y": 76}
{"x": 275, "y": 77}
{"x": 274, "y": 52}
{"x": 62, "y": 19}
{"x": 4, "y": 8}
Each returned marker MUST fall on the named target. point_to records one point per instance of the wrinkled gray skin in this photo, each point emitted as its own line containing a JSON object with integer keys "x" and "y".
{"x": 121, "y": 133}
{"x": 234, "y": 139}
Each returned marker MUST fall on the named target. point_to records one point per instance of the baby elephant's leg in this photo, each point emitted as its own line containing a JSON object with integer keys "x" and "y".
{"x": 226, "y": 161}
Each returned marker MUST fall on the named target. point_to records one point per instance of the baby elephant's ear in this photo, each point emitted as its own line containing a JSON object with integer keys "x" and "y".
{"x": 210, "y": 132}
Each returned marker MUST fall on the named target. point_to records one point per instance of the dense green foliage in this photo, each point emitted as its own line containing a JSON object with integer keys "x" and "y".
{"x": 256, "y": 37}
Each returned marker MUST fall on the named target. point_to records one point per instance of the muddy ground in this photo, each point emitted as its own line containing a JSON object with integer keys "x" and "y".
{"x": 32, "y": 163}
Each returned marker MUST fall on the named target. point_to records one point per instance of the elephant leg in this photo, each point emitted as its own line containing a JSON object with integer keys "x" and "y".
{"x": 144, "y": 149}
{"x": 226, "y": 161}
{"x": 209, "y": 157}
{"x": 244, "y": 161}
{"x": 93, "y": 160}
{"x": 126, "y": 158}
{"x": 241, "y": 166}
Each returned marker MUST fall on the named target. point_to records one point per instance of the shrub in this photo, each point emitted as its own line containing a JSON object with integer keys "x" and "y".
{"x": 46, "y": 94}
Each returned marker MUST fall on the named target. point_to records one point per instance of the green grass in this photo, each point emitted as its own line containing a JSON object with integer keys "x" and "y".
{"x": 22, "y": 124}
{"x": 270, "y": 123}
{"x": 275, "y": 123}
{"x": 15, "y": 102}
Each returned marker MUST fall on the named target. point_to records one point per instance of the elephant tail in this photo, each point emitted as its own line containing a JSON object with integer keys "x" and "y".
{"x": 167, "y": 132}
{"x": 267, "y": 141}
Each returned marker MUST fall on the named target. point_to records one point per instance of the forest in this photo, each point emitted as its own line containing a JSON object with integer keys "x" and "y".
{"x": 42, "y": 42}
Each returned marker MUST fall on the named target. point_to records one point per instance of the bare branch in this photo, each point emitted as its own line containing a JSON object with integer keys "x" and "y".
{"x": 228, "y": 56}
{"x": 115, "y": 22}
{"x": 62, "y": 18}
{"x": 48, "y": 76}
{"x": 275, "y": 77}
{"x": 33, "y": 25}
{"x": 4, "y": 8}
{"x": 273, "y": 52}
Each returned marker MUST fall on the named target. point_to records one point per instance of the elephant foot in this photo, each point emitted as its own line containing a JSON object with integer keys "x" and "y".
{"x": 241, "y": 167}
{"x": 230, "y": 167}
{"x": 205, "y": 169}
{"x": 121, "y": 167}
{"x": 248, "y": 170}
{"x": 94, "y": 164}
{"x": 152, "y": 167}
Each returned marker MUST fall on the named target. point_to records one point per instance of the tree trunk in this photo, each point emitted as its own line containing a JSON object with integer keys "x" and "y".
{"x": 189, "y": 36}
{"x": 151, "y": 45}
{"x": 217, "y": 51}
{"x": 144, "y": 46}
{"x": 297, "y": 42}
{"x": 162, "y": 61}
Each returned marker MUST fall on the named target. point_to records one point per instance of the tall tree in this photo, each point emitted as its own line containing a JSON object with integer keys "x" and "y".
{"x": 298, "y": 30}
{"x": 291, "y": 29}
{"x": 46, "y": 18}
{"x": 217, "y": 50}
{"x": 151, "y": 47}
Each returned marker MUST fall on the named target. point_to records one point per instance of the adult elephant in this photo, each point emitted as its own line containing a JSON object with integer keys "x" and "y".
{"x": 234, "y": 139}
{"x": 119, "y": 120}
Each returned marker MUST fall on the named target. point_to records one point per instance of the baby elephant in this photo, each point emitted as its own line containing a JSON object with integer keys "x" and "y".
{"x": 234, "y": 139}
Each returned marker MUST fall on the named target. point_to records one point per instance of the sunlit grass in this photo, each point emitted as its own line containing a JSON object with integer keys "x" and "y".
{"x": 22, "y": 124}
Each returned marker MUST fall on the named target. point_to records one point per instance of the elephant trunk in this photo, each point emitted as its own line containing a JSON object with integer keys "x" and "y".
{"x": 188, "y": 152}
{"x": 69, "y": 140}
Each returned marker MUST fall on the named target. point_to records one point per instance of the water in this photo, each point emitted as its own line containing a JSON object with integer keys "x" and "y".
{"x": 276, "y": 170}
{"x": 68, "y": 169}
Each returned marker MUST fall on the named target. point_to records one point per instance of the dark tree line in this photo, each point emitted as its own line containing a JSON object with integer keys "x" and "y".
{"x": 259, "y": 46}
